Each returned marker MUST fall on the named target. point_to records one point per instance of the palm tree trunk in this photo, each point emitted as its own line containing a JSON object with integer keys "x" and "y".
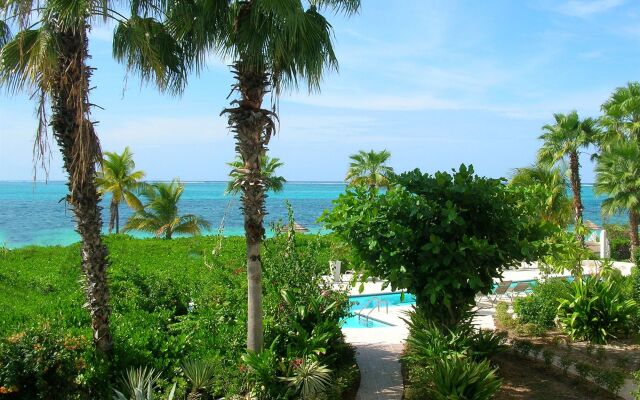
{"x": 117, "y": 217}
{"x": 80, "y": 150}
{"x": 574, "y": 165}
{"x": 633, "y": 225}
{"x": 113, "y": 212}
{"x": 252, "y": 127}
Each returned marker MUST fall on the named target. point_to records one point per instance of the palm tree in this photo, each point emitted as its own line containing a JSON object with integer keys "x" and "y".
{"x": 118, "y": 178}
{"x": 556, "y": 207}
{"x": 621, "y": 117}
{"x": 161, "y": 216}
{"x": 49, "y": 59}
{"x": 274, "y": 45}
{"x": 565, "y": 139}
{"x": 618, "y": 175}
{"x": 370, "y": 168}
{"x": 268, "y": 167}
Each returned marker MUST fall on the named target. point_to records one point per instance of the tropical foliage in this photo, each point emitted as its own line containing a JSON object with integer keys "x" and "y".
{"x": 551, "y": 182}
{"x": 172, "y": 301}
{"x": 370, "y": 169}
{"x": 268, "y": 167}
{"x": 564, "y": 139}
{"x": 117, "y": 177}
{"x": 618, "y": 176}
{"x": 450, "y": 363}
{"x": 413, "y": 235}
{"x": 161, "y": 215}
{"x": 621, "y": 118}
{"x": 596, "y": 310}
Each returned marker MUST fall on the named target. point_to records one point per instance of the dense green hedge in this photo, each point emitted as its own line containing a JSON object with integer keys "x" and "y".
{"x": 171, "y": 300}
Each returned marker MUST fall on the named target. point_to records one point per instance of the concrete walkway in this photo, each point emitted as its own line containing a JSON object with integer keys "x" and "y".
{"x": 379, "y": 362}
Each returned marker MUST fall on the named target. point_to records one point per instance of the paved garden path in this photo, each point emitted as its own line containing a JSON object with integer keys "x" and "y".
{"x": 380, "y": 376}
{"x": 378, "y": 354}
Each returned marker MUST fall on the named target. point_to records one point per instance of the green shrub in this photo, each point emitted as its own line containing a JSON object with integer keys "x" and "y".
{"x": 596, "y": 310}
{"x": 584, "y": 370}
{"x": 503, "y": 316}
{"x": 44, "y": 363}
{"x": 548, "y": 356}
{"x": 463, "y": 378}
{"x": 609, "y": 379}
{"x": 636, "y": 380}
{"x": 446, "y": 362}
{"x": 541, "y": 306}
{"x": 620, "y": 249}
{"x": 172, "y": 300}
{"x": 487, "y": 343}
{"x": 442, "y": 237}
{"x": 565, "y": 364}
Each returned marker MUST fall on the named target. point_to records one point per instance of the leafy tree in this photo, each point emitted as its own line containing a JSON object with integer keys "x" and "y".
{"x": 564, "y": 139}
{"x": 550, "y": 185}
{"x": 268, "y": 166}
{"x": 618, "y": 175}
{"x": 118, "y": 177}
{"x": 274, "y": 45}
{"x": 48, "y": 57}
{"x": 370, "y": 168}
{"x": 161, "y": 216}
{"x": 442, "y": 237}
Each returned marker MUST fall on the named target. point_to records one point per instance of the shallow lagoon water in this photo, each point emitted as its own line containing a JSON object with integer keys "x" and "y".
{"x": 35, "y": 213}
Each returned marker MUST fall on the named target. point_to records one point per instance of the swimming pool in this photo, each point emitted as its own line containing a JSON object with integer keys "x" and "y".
{"x": 358, "y": 303}
{"x": 369, "y": 301}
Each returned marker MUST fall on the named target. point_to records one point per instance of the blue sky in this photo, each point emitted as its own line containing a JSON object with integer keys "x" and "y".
{"x": 437, "y": 83}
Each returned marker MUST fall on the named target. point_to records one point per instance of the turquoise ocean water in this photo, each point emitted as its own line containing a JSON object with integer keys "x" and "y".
{"x": 34, "y": 213}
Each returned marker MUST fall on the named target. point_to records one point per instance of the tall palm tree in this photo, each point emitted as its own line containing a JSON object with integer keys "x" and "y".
{"x": 565, "y": 139}
{"x": 370, "y": 168}
{"x": 161, "y": 215}
{"x": 556, "y": 207}
{"x": 621, "y": 117}
{"x": 48, "y": 57}
{"x": 274, "y": 45}
{"x": 118, "y": 177}
{"x": 618, "y": 175}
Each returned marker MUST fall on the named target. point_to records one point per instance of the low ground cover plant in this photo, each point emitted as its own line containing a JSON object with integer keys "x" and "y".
{"x": 450, "y": 363}
{"x": 173, "y": 301}
{"x": 541, "y": 306}
{"x": 597, "y": 308}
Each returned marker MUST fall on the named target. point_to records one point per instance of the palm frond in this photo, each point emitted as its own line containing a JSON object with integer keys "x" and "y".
{"x": 5, "y": 33}
{"x": 146, "y": 47}
{"x": 29, "y": 60}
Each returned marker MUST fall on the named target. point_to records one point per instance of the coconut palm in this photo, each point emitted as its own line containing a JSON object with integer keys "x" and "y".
{"x": 621, "y": 117}
{"x": 618, "y": 176}
{"x": 118, "y": 177}
{"x": 48, "y": 58}
{"x": 161, "y": 215}
{"x": 563, "y": 140}
{"x": 556, "y": 206}
{"x": 268, "y": 166}
{"x": 370, "y": 168}
{"x": 273, "y": 45}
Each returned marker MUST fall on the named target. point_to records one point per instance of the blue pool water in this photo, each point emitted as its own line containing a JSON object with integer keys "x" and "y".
{"x": 367, "y": 302}
{"x": 356, "y": 322}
